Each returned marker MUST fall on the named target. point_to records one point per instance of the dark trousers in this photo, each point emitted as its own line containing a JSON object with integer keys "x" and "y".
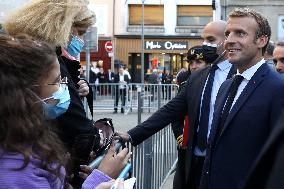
{"x": 168, "y": 92}
{"x": 122, "y": 94}
{"x": 94, "y": 92}
{"x": 179, "y": 178}
{"x": 196, "y": 172}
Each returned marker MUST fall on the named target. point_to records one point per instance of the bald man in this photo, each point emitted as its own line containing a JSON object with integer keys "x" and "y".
{"x": 197, "y": 101}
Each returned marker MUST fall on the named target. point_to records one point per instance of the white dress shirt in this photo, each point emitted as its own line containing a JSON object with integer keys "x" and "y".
{"x": 121, "y": 81}
{"x": 127, "y": 73}
{"x": 247, "y": 74}
{"x": 220, "y": 76}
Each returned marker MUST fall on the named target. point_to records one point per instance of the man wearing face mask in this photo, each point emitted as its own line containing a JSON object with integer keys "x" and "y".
{"x": 197, "y": 99}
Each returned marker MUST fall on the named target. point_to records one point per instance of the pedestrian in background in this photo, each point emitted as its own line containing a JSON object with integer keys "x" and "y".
{"x": 122, "y": 80}
{"x": 167, "y": 78}
{"x": 153, "y": 80}
{"x": 102, "y": 80}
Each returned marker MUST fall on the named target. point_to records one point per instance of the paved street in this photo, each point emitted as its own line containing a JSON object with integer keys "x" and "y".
{"x": 121, "y": 121}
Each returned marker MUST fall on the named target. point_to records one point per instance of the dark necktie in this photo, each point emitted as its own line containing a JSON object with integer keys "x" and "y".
{"x": 231, "y": 96}
{"x": 205, "y": 109}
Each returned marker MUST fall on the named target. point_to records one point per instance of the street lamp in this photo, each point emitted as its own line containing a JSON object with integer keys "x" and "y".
{"x": 142, "y": 43}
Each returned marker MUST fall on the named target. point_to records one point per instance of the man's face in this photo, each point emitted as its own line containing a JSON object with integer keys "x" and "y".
{"x": 278, "y": 58}
{"x": 196, "y": 65}
{"x": 121, "y": 70}
{"x": 242, "y": 47}
{"x": 213, "y": 34}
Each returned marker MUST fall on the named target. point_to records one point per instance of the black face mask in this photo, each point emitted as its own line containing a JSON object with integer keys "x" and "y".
{"x": 209, "y": 53}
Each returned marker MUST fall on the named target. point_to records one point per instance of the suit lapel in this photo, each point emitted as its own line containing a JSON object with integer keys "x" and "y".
{"x": 219, "y": 104}
{"x": 200, "y": 86}
{"x": 248, "y": 90}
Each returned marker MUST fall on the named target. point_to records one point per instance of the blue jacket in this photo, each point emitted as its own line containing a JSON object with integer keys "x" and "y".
{"x": 231, "y": 155}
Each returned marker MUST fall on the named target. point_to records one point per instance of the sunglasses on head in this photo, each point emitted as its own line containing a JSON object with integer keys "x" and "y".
{"x": 281, "y": 59}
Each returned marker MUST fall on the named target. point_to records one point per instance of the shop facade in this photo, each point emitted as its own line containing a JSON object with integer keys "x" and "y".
{"x": 159, "y": 53}
{"x": 101, "y": 56}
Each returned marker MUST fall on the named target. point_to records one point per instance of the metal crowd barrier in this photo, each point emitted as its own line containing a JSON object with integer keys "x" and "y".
{"x": 154, "y": 160}
{"x": 153, "y": 95}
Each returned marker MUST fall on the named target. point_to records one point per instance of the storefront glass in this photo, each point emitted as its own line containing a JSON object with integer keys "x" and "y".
{"x": 172, "y": 62}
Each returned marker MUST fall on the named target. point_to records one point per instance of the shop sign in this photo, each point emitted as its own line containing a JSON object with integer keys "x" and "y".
{"x": 166, "y": 45}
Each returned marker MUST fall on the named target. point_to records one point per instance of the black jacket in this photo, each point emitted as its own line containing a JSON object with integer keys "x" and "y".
{"x": 116, "y": 78}
{"x": 74, "y": 121}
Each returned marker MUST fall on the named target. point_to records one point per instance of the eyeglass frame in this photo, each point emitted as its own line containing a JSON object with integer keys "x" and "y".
{"x": 64, "y": 80}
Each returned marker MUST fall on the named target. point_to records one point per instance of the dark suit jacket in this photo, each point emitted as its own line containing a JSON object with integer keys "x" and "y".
{"x": 268, "y": 170}
{"x": 245, "y": 131}
{"x": 116, "y": 78}
{"x": 187, "y": 100}
{"x": 111, "y": 75}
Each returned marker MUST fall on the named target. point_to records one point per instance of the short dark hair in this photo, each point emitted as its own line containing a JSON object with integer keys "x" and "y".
{"x": 270, "y": 48}
{"x": 280, "y": 43}
{"x": 263, "y": 25}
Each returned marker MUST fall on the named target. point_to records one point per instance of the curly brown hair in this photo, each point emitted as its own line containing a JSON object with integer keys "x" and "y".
{"x": 24, "y": 63}
{"x": 263, "y": 25}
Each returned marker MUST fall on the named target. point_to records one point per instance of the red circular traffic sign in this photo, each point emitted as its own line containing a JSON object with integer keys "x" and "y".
{"x": 108, "y": 46}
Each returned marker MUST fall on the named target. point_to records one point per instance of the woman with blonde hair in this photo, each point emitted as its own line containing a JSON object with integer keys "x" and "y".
{"x": 62, "y": 24}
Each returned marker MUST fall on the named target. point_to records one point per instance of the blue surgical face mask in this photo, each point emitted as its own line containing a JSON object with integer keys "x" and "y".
{"x": 76, "y": 46}
{"x": 53, "y": 111}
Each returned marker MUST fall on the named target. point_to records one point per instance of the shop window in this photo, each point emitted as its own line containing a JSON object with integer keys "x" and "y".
{"x": 153, "y": 15}
{"x": 189, "y": 15}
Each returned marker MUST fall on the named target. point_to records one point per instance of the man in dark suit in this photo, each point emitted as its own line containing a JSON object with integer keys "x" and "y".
{"x": 196, "y": 62}
{"x": 246, "y": 107}
{"x": 110, "y": 79}
{"x": 120, "y": 90}
{"x": 201, "y": 85}
{"x": 110, "y": 76}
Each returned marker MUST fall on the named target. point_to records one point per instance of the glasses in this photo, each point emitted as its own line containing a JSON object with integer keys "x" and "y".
{"x": 63, "y": 81}
{"x": 275, "y": 60}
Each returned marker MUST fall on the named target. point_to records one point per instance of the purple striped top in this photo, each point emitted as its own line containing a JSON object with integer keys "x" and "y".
{"x": 33, "y": 176}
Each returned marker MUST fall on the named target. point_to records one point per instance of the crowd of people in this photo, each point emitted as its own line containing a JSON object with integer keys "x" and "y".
{"x": 227, "y": 116}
